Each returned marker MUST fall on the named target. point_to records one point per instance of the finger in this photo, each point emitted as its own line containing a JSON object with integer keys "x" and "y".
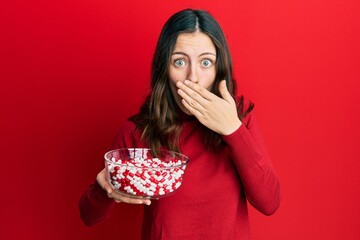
{"x": 191, "y": 102}
{"x": 224, "y": 91}
{"x": 101, "y": 179}
{"x": 135, "y": 200}
{"x": 203, "y": 92}
{"x": 130, "y": 199}
{"x": 193, "y": 89}
{"x": 192, "y": 108}
{"x": 107, "y": 188}
{"x": 188, "y": 93}
{"x": 195, "y": 101}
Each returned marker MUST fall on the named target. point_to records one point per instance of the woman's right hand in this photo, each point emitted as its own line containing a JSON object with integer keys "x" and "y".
{"x": 101, "y": 179}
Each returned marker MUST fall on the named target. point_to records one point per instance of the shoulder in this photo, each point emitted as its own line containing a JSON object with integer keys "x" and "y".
{"x": 127, "y": 136}
{"x": 243, "y": 104}
{"x": 128, "y": 125}
{"x": 126, "y": 128}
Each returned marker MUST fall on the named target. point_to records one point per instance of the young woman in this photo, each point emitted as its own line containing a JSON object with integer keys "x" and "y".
{"x": 193, "y": 109}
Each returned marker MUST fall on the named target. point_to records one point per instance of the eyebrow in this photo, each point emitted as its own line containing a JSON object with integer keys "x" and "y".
{"x": 205, "y": 53}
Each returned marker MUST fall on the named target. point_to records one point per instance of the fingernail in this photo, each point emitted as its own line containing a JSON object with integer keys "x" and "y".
{"x": 148, "y": 203}
{"x": 178, "y": 84}
{"x": 186, "y": 82}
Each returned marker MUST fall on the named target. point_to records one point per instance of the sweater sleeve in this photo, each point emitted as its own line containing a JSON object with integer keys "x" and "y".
{"x": 252, "y": 162}
{"x": 94, "y": 205}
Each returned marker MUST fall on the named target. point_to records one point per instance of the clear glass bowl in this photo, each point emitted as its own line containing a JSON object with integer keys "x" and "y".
{"x": 135, "y": 172}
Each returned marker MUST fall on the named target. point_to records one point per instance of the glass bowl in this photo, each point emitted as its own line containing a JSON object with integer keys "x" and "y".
{"x": 136, "y": 172}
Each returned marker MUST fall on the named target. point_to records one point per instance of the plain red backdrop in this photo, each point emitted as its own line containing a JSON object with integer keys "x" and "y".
{"x": 72, "y": 71}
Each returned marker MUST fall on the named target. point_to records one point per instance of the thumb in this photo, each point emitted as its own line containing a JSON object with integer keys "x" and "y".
{"x": 101, "y": 179}
{"x": 224, "y": 91}
{"x": 107, "y": 188}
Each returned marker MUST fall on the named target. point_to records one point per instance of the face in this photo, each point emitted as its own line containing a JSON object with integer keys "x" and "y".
{"x": 193, "y": 59}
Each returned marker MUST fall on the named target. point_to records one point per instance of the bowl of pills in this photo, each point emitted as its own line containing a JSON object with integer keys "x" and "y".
{"x": 138, "y": 173}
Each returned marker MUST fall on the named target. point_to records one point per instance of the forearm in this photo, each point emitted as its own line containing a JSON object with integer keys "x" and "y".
{"x": 95, "y": 205}
{"x": 258, "y": 177}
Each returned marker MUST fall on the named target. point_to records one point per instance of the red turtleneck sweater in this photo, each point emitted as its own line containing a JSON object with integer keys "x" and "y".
{"x": 212, "y": 200}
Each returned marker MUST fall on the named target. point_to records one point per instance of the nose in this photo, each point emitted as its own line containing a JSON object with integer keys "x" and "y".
{"x": 192, "y": 74}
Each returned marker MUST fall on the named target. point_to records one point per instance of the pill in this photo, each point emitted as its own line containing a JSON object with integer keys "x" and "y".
{"x": 137, "y": 177}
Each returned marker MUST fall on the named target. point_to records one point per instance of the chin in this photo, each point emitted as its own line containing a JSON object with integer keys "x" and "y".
{"x": 186, "y": 112}
{"x": 181, "y": 106}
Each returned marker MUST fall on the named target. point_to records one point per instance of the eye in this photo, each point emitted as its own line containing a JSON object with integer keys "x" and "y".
{"x": 206, "y": 63}
{"x": 179, "y": 62}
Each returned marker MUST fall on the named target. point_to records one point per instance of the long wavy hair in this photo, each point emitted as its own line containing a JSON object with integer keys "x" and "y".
{"x": 158, "y": 119}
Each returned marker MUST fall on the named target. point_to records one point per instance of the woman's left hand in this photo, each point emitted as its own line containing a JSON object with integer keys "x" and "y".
{"x": 217, "y": 114}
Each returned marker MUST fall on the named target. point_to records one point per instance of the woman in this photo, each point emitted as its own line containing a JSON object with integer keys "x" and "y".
{"x": 193, "y": 109}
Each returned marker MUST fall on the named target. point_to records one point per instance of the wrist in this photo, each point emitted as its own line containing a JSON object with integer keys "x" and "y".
{"x": 232, "y": 128}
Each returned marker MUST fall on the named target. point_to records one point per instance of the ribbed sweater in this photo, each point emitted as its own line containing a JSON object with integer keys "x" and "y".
{"x": 212, "y": 201}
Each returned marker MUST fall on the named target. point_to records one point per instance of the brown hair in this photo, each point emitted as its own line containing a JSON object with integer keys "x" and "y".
{"x": 158, "y": 118}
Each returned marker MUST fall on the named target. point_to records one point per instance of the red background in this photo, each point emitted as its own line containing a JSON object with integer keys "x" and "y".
{"x": 72, "y": 71}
